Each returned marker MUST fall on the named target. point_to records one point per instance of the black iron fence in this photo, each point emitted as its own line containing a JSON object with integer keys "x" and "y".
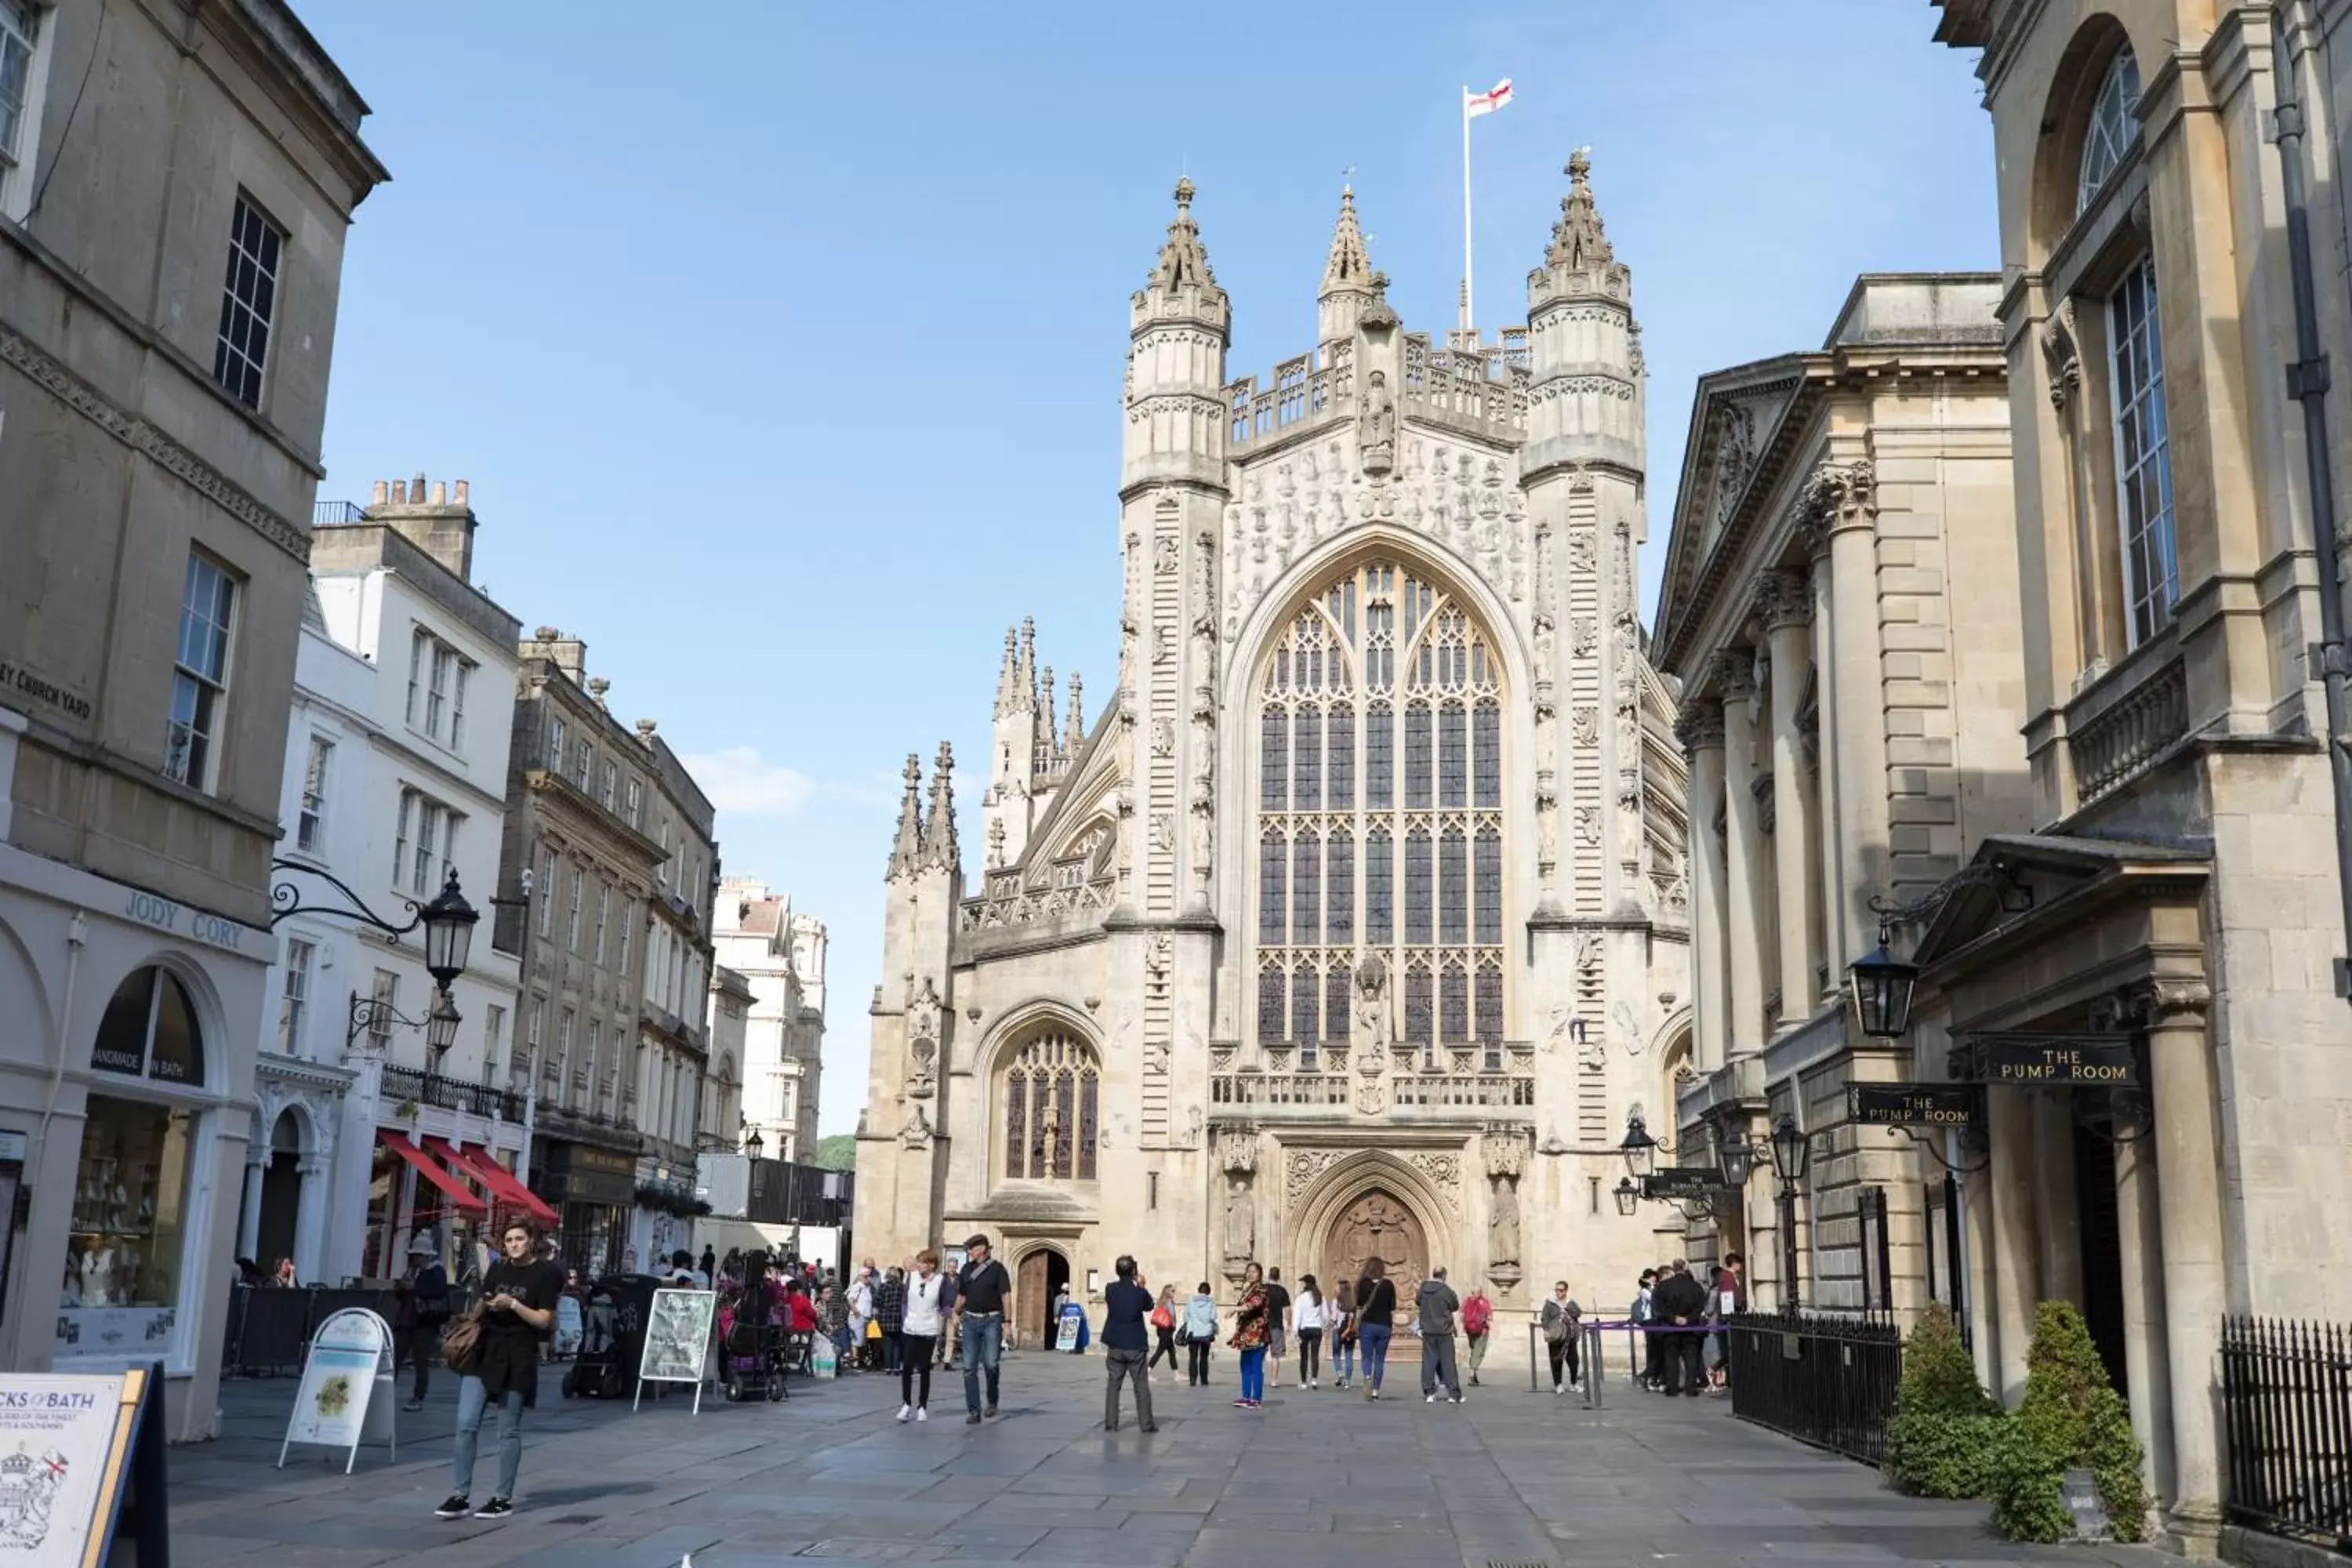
{"x": 408, "y": 1085}
{"x": 2286, "y": 1398}
{"x": 270, "y": 1329}
{"x": 1828, "y": 1381}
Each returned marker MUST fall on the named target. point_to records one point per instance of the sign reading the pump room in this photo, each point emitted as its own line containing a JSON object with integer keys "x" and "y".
{"x": 2056, "y": 1061}
{"x": 1912, "y": 1104}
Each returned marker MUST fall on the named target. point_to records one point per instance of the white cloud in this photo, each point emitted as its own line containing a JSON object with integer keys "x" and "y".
{"x": 739, "y": 780}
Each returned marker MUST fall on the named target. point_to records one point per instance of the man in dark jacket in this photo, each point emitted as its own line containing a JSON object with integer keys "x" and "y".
{"x": 1680, "y": 1305}
{"x": 420, "y": 1309}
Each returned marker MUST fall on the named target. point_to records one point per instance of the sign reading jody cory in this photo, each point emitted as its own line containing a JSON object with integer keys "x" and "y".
{"x": 2080, "y": 1059}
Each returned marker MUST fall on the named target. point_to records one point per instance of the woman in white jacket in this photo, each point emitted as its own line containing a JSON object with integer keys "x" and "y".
{"x": 928, "y": 1296}
{"x": 1308, "y": 1318}
{"x": 1200, "y": 1333}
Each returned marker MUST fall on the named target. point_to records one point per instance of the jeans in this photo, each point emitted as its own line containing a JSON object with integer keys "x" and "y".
{"x": 1254, "y": 1373}
{"x": 894, "y": 1348}
{"x": 1167, "y": 1347}
{"x": 1563, "y": 1359}
{"x": 1343, "y": 1361}
{"x": 1197, "y": 1362}
{"x": 1127, "y": 1366}
{"x": 1375, "y": 1338}
{"x": 915, "y": 1364}
{"x": 1437, "y": 1365}
{"x": 419, "y": 1343}
{"x": 472, "y": 1400}
{"x": 1310, "y": 1355}
{"x": 983, "y": 1347}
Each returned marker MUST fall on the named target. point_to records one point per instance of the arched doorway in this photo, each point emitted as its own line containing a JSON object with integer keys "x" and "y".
{"x": 1043, "y": 1275}
{"x": 281, "y": 1193}
{"x": 1378, "y": 1224}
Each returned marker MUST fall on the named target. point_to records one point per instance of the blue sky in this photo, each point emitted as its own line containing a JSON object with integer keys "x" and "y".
{"x": 782, "y": 341}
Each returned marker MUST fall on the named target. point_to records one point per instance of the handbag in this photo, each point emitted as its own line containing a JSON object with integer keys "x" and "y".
{"x": 461, "y": 1341}
{"x": 873, "y": 1329}
{"x": 1555, "y": 1328}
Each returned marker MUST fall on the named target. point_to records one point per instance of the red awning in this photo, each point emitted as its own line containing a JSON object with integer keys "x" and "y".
{"x": 433, "y": 1171}
{"x": 478, "y": 1163}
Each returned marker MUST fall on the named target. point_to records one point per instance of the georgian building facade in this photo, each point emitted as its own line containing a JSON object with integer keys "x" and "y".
{"x": 665, "y": 1094}
{"x": 171, "y": 232}
{"x": 1354, "y": 925}
{"x": 1840, "y": 604}
{"x": 778, "y": 955}
{"x": 2179, "y": 888}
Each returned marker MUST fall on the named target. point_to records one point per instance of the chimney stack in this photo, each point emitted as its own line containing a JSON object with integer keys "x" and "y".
{"x": 442, "y": 526}
{"x": 568, "y": 655}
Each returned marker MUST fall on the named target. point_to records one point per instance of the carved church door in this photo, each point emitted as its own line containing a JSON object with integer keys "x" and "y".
{"x": 1378, "y": 1226}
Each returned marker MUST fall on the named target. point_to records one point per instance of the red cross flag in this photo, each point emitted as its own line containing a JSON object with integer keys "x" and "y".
{"x": 1474, "y": 104}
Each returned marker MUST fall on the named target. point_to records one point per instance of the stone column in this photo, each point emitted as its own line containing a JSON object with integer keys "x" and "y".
{"x": 2060, "y": 1211}
{"x": 1787, "y": 620}
{"x": 1983, "y": 1291}
{"x": 1743, "y": 907}
{"x": 248, "y": 1226}
{"x": 1846, "y": 495}
{"x": 2188, "y": 1139}
{"x": 2140, "y": 1223}
{"x": 1701, "y": 730}
{"x": 1831, "y": 834}
{"x": 310, "y": 1216}
{"x": 2016, "y": 1251}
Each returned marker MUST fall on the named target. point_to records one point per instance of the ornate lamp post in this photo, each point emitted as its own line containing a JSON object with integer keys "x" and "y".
{"x": 1628, "y": 1196}
{"x": 1792, "y": 1153}
{"x": 1640, "y": 1149}
{"x": 1879, "y": 987}
{"x": 754, "y": 1145}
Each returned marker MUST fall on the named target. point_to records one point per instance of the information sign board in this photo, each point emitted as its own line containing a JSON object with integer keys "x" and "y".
{"x": 81, "y": 1463}
{"x": 1912, "y": 1104}
{"x": 677, "y": 1340}
{"x": 346, "y": 1391}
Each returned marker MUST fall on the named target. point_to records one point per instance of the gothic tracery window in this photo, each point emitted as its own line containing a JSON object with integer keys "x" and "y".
{"x": 1380, "y": 826}
{"x": 1052, "y": 1098}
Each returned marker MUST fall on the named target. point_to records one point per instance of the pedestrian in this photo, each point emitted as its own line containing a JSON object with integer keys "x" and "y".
{"x": 864, "y": 1338}
{"x": 732, "y": 1264}
{"x": 1477, "y": 1321}
{"x": 1730, "y": 1299}
{"x": 1250, "y": 1316}
{"x": 1342, "y": 1328}
{"x": 1277, "y": 1326}
{"x": 1376, "y": 1302}
{"x": 890, "y": 1311}
{"x": 1680, "y": 1304}
{"x": 682, "y": 1262}
{"x": 420, "y": 1308}
{"x": 983, "y": 1294}
{"x": 1126, "y": 1343}
{"x": 1200, "y": 1333}
{"x": 517, "y": 1313}
{"x": 1561, "y": 1329}
{"x": 1435, "y": 1305}
{"x": 1163, "y": 1325}
{"x": 709, "y": 1267}
{"x": 286, "y": 1279}
{"x": 1309, "y": 1315}
{"x": 833, "y": 1321}
{"x": 929, "y": 1296}
{"x": 1645, "y": 1316}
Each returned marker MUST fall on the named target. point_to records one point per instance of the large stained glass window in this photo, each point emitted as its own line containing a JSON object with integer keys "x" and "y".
{"x": 1052, "y": 1104}
{"x": 1381, "y": 824}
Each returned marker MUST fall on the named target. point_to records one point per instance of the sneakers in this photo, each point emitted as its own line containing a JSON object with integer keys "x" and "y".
{"x": 1559, "y": 1388}
{"x": 1314, "y": 1382}
{"x": 1474, "y": 1380}
{"x": 1453, "y": 1399}
{"x": 1240, "y": 1405}
{"x": 496, "y": 1507}
{"x": 455, "y": 1508}
{"x": 413, "y": 1405}
{"x": 922, "y": 1413}
{"x": 990, "y": 1413}
{"x": 1576, "y": 1386}
{"x": 972, "y": 1418}
{"x": 906, "y": 1413}
{"x": 1429, "y": 1399}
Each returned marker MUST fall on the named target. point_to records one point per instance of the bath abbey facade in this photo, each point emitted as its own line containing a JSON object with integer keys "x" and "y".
{"x": 1356, "y": 924}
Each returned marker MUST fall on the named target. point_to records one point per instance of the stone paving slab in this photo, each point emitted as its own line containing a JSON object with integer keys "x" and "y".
{"x": 1318, "y": 1478}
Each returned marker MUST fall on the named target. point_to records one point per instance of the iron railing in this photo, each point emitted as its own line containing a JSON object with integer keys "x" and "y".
{"x": 1828, "y": 1381}
{"x": 403, "y": 1084}
{"x": 335, "y": 513}
{"x": 2286, "y": 1400}
{"x": 269, "y": 1329}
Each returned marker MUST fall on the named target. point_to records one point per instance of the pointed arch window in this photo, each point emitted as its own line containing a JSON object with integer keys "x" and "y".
{"x": 1380, "y": 823}
{"x": 2114, "y": 130}
{"x": 1051, "y": 1094}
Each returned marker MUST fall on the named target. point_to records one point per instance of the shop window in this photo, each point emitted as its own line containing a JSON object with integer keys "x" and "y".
{"x": 129, "y": 1202}
{"x": 149, "y": 1030}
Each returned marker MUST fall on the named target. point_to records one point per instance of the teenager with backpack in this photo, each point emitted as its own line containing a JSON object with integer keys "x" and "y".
{"x": 1477, "y": 1321}
{"x": 1562, "y": 1324}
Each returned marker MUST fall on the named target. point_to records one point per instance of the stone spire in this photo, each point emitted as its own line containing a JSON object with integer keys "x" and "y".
{"x": 1024, "y": 677}
{"x": 939, "y": 832}
{"x": 1579, "y": 242}
{"x": 1008, "y": 674}
{"x": 906, "y": 849}
{"x": 1183, "y": 264}
{"x": 1049, "y": 740}
{"x": 1073, "y": 730}
{"x": 1347, "y": 276}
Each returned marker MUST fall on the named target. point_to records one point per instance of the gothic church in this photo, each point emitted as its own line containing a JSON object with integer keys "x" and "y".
{"x": 1357, "y": 922}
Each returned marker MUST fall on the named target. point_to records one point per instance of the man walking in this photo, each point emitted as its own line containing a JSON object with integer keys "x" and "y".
{"x": 1645, "y": 1314}
{"x": 1680, "y": 1303}
{"x": 1127, "y": 1343}
{"x": 983, "y": 1294}
{"x": 1477, "y": 1318}
{"x": 1435, "y": 1304}
{"x": 1277, "y": 1327}
{"x": 419, "y": 1310}
{"x": 1730, "y": 1298}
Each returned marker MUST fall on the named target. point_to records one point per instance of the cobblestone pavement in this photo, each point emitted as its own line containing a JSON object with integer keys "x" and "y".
{"x": 1314, "y": 1477}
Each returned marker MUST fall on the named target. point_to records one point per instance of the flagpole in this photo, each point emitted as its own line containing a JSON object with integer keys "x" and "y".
{"x": 1467, "y": 316}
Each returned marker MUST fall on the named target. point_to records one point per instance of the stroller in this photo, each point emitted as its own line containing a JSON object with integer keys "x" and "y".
{"x": 754, "y": 1347}
{"x": 613, "y": 1337}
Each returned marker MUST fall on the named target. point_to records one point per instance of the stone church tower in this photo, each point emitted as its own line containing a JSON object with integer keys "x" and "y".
{"x": 1356, "y": 924}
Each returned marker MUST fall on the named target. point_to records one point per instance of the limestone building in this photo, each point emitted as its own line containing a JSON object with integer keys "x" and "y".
{"x": 2179, "y": 892}
{"x": 662, "y": 1098}
{"x": 175, "y": 186}
{"x": 1839, "y": 602}
{"x": 1355, "y": 924}
{"x": 779, "y": 955}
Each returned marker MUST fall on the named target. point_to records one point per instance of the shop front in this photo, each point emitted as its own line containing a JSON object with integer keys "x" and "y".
{"x": 592, "y": 1189}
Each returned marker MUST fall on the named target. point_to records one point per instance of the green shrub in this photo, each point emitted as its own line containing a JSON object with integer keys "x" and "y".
{"x": 1947, "y": 1430}
{"x": 2071, "y": 1418}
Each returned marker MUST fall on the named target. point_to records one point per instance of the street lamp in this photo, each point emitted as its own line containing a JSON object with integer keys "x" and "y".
{"x": 755, "y": 1145}
{"x": 448, "y": 923}
{"x": 374, "y": 1014}
{"x": 1735, "y": 1157}
{"x": 1629, "y": 1196}
{"x": 447, "y": 920}
{"x": 1880, "y": 985}
{"x": 1640, "y": 1149}
{"x": 1792, "y": 1149}
{"x": 441, "y": 1026}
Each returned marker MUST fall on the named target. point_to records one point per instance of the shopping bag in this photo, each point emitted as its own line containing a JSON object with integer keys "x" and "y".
{"x": 823, "y": 1360}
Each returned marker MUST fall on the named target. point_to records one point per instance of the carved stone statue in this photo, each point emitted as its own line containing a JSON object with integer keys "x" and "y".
{"x": 1372, "y": 1021}
{"x": 1503, "y": 1225}
{"x": 922, "y": 1010}
{"x": 1376, "y": 429}
{"x": 1241, "y": 1219}
{"x": 1163, "y": 738}
{"x": 921, "y": 1080}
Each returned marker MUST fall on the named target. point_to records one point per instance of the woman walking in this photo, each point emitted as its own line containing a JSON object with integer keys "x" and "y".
{"x": 926, "y": 1302}
{"x": 1163, "y": 1324}
{"x": 1250, "y": 1335}
{"x": 890, "y": 1311}
{"x": 1308, "y": 1317}
{"x": 1199, "y": 1335}
{"x": 1341, "y": 1328}
{"x": 1376, "y": 1302}
{"x": 516, "y": 1312}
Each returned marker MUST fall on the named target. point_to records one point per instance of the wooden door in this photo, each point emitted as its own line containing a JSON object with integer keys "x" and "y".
{"x": 1378, "y": 1226}
{"x": 1031, "y": 1299}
